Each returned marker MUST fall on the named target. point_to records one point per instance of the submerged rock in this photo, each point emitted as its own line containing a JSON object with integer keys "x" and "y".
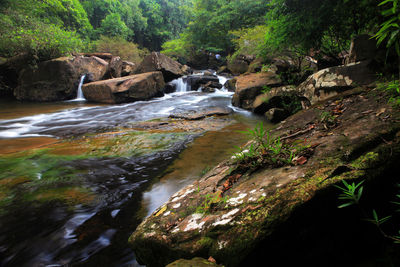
{"x": 201, "y": 114}
{"x": 240, "y": 213}
{"x": 126, "y": 89}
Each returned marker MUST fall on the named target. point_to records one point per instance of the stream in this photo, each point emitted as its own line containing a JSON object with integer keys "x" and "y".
{"x": 66, "y": 199}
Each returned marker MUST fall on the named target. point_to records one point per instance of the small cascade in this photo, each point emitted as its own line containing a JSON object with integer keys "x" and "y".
{"x": 80, "y": 96}
{"x": 180, "y": 85}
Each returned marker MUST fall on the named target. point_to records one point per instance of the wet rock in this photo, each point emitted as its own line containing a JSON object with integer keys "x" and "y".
{"x": 208, "y": 89}
{"x": 169, "y": 88}
{"x": 230, "y": 85}
{"x": 196, "y": 81}
{"x": 57, "y": 79}
{"x": 127, "y": 68}
{"x": 195, "y": 262}
{"x": 248, "y": 87}
{"x": 125, "y": 89}
{"x": 201, "y": 114}
{"x": 331, "y": 81}
{"x": 208, "y": 73}
{"x": 170, "y": 69}
{"x": 186, "y": 70}
{"x": 237, "y": 225}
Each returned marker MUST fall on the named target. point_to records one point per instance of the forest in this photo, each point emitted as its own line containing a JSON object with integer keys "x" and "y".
{"x": 182, "y": 28}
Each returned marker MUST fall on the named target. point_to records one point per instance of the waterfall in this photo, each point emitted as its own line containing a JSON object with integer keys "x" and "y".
{"x": 180, "y": 85}
{"x": 80, "y": 96}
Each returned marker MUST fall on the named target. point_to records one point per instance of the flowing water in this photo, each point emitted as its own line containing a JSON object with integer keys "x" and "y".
{"x": 57, "y": 208}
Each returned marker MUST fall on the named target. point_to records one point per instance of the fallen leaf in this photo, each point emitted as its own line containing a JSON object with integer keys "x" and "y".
{"x": 301, "y": 160}
{"x": 380, "y": 112}
{"x": 211, "y": 259}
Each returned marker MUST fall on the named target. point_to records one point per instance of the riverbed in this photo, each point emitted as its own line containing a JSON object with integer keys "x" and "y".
{"x": 77, "y": 178}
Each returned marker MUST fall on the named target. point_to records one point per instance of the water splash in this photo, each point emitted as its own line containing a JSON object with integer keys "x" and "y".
{"x": 180, "y": 85}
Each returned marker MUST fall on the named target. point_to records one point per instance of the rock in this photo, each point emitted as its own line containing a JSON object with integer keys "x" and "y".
{"x": 114, "y": 68}
{"x": 230, "y": 85}
{"x": 284, "y": 97}
{"x": 186, "y": 70}
{"x": 208, "y": 73}
{"x": 128, "y": 68}
{"x": 224, "y": 70}
{"x": 255, "y": 66}
{"x": 362, "y": 48}
{"x": 195, "y": 262}
{"x": 93, "y": 65}
{"x": 248, "y": 87}
{"x": 331, "y": 81}
{"x": 201, "y": 114}
{"x": 213, "y": 84}
{"x": 289, "y": 210}
{"x": 57, "y": 79}
{"x": 53, "y": 80}
{"x": 125, "y": 89}
{"x": 194, "y": 82}
{"x": 170, "y": 69}
{"x": 208, "y": 90}
{"x": 238, "y": 66}
{"x": 104, "y": 56}
{"x": 169, "y": 88}
{"x": 275, "y": 115}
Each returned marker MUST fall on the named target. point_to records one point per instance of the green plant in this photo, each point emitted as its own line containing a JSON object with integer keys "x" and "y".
{"x": 210, "y": 200}
{"x": 351, "y": 193}
{"x": 266, "y": 89}
{"x": 392, "y": 89}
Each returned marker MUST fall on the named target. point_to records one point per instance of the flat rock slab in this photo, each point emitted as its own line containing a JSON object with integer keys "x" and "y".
{"x": 125, "y": 89}
{"x": 201, "y": 114}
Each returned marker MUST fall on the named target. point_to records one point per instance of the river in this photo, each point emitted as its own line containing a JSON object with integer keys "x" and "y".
{"x": 65, "y": 200}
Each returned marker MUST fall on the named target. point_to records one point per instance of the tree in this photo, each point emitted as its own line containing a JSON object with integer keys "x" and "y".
{"x": 112, "y": 25}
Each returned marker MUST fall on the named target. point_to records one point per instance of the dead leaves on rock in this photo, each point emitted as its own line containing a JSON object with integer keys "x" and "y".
{"x": 229, "y": 182}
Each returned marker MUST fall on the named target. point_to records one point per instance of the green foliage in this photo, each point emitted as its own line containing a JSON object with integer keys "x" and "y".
{"x": 351, "y": 193}
{"x": 392, "y": 89}
{"x": 322, "y": 25}
{"x": 26, "y": 27}
{"x": 113, "y": 26}
{"x": 118, "y": 46}
{"x": 266, "y": 149}
{"x": 249, "y": 41}
{"x": 390, "y": 29}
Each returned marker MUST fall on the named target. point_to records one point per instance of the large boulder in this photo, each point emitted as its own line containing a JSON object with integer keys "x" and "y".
{"x": 114, "y": 68}
{"x": 243, "y": 212}
{"x": 170, "y": 69}
{"x": 57, "y": 79}
{"x": 331, "y": 81}
{"x": 248, "y": 87}
{"x": 125, "y": 89}
{"x": 92, "y": 65}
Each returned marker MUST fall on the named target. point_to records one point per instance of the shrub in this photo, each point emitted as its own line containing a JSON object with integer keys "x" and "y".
{"x": 118, "y": 46}
{"x": 249, "y": 41}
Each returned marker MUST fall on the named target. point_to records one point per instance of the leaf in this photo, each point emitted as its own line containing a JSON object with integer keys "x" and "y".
{"x": 345, "y": 205}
